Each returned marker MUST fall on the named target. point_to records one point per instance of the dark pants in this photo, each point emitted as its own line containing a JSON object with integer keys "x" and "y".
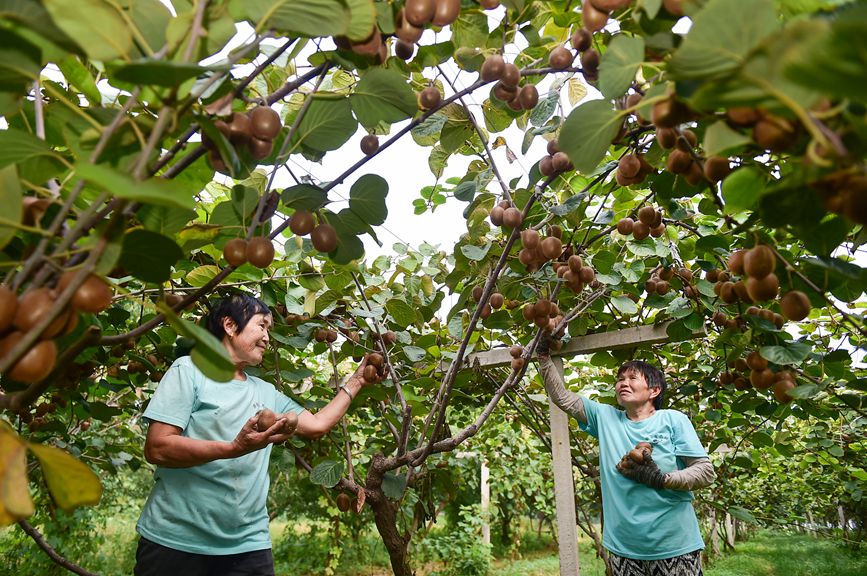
{"x": 152, "y": 559}
{"x": 685, "y": 565}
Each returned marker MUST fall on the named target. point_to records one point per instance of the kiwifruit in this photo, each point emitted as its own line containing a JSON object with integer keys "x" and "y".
{"x": 687, "y": 140}
{"x": 773, "y": 133}
{"x": 625, "y": 225}
{"x": 429, "y": 98}
{"x": 497, "y": 300}
{"x": 561, "y": 163}
{"x": 755, "y": 361}
{"x": 446, "y": 12}
{"x": 419, "y": 12}
{"x": 517, "y": 364}
{"x": 781, "y": 390}
{"x": 35, "y": 364}
{"x": 217, "y": 163}
{"x": 489, "y": 4}
{"x": 93, "y": 296}
{"x": 736, "y": 262}
{"x": 555, "y": 231}
{"x": 512, "y": 218}
{"x": 291, "y": 422}
{"x": 657, "y": 231}
{"x": 516, "y": 351}
{"x": 662, "y": 287}
{"x": 551, "y": 247}
{"x": 629, "y": 165}
{"x": 32, "y": 306}
{"x": 727, "y": 292}
{"x": 389, "y": 338}
{"x": 610, "y": 5}
{"x": 324, "y": 238}
{"x": 528, "y": 311}
{"x": 542, "y": 307}
{"x": 592, "y": 18}
{"x": 492, "y": 68}
{"x": 647, "y": 214}
{"x": 669, "y": 113}
{"x": 265, "y": 122}
{"x": 511, "y": 75}
{"x": 8, "y": 307}
{"x": 528, "y": 97}
{"x": 667, "y": 137}
{"x": 722, "y": 275}
{"x": 406, "y": 31}
{"x": 725, "y": 378}
{"x": 762, "y": 379}
{"x": 673, "y": 7}
{"x": 587, "y": 274}
{"x": 716, "y": 168}
{"x": 742, "y": 116}
{"x": 504, "y": 93}
{"x": 403, "y": 49}
{"x": 320, "y": 335}
{"x": 235, "y": 251}
{"x": 530, "y": 238}
{"x": 496, "y": 216}
{"x": 575, "y": 263}
{"x": 259, "y": 148}
{"x": 795, "y": 305}
{"x": 330, "y": 335}
{"x": 369, "y": 144}
{"x": 719, "y": 318}
{"x": 343, "y": 502}
{"x": 712, "y": 275}
{"x": 260, "y": 251}
{"x": 560, "y": 58}
{"x": 759, "y": 262}
{"x": 301, "y": 222}
{"x": 370, "y": 373}
{"x": 370, "y": 46}
{"x": 694, "y": 176}
{"x": 266, "y": 419}
{"x": 590, "y": 62}
{"x": 376, "y": 360}
{"x": 581, "y": 39}
{"x": 477, "y": 293}
{"x": 640, "y": 230}
{"x": 240, "y": 128}
{"x": 744, "y": 294}
{"x": 679, "y": 162}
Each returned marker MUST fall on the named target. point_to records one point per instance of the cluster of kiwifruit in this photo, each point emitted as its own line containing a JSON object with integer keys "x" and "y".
{"x": 19, "y": 315}
{"x": 258, "y": 251}
{"x": 635, "y": 456}
{"x": 322, "y": 236}
{"x": 516, "y": 351}
{"x": 660, "y": 281}
{"x": 754, "y": 371}
{"x": 375, "y": 368}
{"x": 325, "y": 335}
{"x": 845, "y": 193}
{"x": 633, "y": 169}
{"x": 256, "y": 130}
{"x": 495, "y": 302}
{"x": 649, "y": 223}
{"x": 769, "y": 131}
{"x": 543, "y": 313}
{"x": 536, "y": 250}
{"x": 267, "y": 418}
{"x": 508, "y": 78}
{"x": 575, "y": 273}
{"x": 505, "y": 214}
{"x": 556, "y": 161}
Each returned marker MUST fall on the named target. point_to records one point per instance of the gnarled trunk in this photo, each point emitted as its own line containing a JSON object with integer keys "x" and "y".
{"x": 385, "y": 516}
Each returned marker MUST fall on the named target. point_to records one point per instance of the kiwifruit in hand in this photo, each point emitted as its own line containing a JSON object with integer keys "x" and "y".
{"x": 581, "y": 39}
{"x": 260, "y": 251}
{"x": 235, "y": 251}
{"x": 593, "y": 18}
{"x": 624, "y": 226}
{"x": 560, "y": 58}
{"x": 446, "y": 12}
{"x": 301, "y": 222}
{"x": 324, "y": 238}
{"x": 369, "y": 144}
{"x": 32, "y": 306}
{"x": 267, "y": 418}
{"x": 759, "y": 262}
{"x": 265, "y": 122}
{"x": 419, "y": 12}
{"x": 511, "y": 75}
{"x": 429, "y": 98}
{"x": 512, "y": 218}
{"x": 551, "y": 247}
{"x": 343, "y": 502}
{"x": 795, "y": 305}
{"x": 240, "y": 128}
{"x": 493, "y": 68}
{"x": 36, "y": 364}
{"x": 403, "y": 49}
{"x": 259, "y": 148}
{"x": 291, "y": 422}
{"x": 497, "y": 300}
{"x": 8, "y": 307}
{"x": 528, "y": 97}
{"x": 370, "y": 373}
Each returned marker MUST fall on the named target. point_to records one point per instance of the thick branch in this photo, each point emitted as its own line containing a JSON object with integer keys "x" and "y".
{"x": 51, "y": 552}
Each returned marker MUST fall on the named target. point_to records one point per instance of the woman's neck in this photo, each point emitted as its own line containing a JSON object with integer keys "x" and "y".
{"x": 642, "y": 412}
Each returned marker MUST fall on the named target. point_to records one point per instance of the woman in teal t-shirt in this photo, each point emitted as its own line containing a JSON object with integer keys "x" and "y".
{"x": 650, "y": 527}
{"x": 206, "y": 514}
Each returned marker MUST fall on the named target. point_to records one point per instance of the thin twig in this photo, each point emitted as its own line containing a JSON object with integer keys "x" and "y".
{"x": 51, "y": 552}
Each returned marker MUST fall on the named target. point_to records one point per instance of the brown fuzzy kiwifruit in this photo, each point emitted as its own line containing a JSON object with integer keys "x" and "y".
{"x": 687, "y": 140}
{"x": 647, "y": 214}
{"x": 587, "y": 274}
{"x": 530, "y": 238}
{"x": 679, "y": 162}
{"x": 590, "y": 62}
{"x": 625, "y": 225}
{"x": 235, "y": 251}
{"x": 240, "y": 128}
{"x": 764, "y": 288}
{"x": 528, "y": 97}
{"x": 505, "y": 93}
{"x": 512, "y": 218}
{"x": 516, "y": 351}
{"x": 795, "y": 305}
{"x": 406, "y": 31}
{"x": 756, "y": 361}
{"x": 260, "y": 251}
{"x": 496, "y": 216}
{"x": 370, "y": 373}
{"x": 528, "y": 311}
{"x": 343, "y": 501}
{"x": 762, "y": 379}
{"x": 629, "y": 165}
{"x": 8, "y": 307}
{"x": 259, "y": 148}
{"x": 477, "y": 293}
{"x": 419, "y": 12}
{"x": 389, "y": 338}
{"x": 291, "y": 422}
{"x": 610, "y": 5}
{"x": 640, "y": 230}
{"x": 773, "y": 133}
{"x": 581, "y": 39}
{"x": 32, "y": 306}
{"x": 759, "y": 262}
{"x": 320, "y": 335}
{"x": 716, "y": 168}
{"x": 369, "y": 144}
{"x": 330, "y": 335}
{"x": 301, "y": 222}
{"x": 446, "y": 12}
{"x": 517, "y": 364}
{"x": 669, "y": 113}
{"x": 35, "y": 364}
{"x": 560, "y": 58}
{"x": 404, "y": 49}
{"x": 727, "y": 293}
{"x": 497, "y": 300}
{"x": 561, "y": 163}
{"x": 743, "y": 294}
{"x": 492, "y": 68}
{"x": 575, "y": 263}
{"x": 266, "y": 419}
{"x": 324, "y": 238}
{"x": 742, "y": 116}
{"x": 667, "y": 137}
{"x": 376, "y": 360}
{"x": 511, "y": 75}
{"x": 489, "y": 4}
{"x": 429, "y": 98}
{"x": 736, "y": 262}
{"x": 555, "y": 231}
{"x": 592, "y": 18}
{"x": 781, "y": 389}
{"x": 551, "y": 247}
{"x": 265, "y": 123}
{"x": 93, "y": 296}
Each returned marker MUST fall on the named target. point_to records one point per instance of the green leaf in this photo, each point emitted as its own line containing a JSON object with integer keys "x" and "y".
{"x": 414, "y": 353}
{"x": 349, "y": 246}
{"x": 79, "y": 77}
{"x": 382, "y": 95}
{"x": 10, "y": 204}
{"x": 742, "y": 189}
{"x": 327, "y": 124}
{"x": 17, "y": 146}
{"x": 152, "y": 191}
{"x": 792, "y": 353}
{"x": 367, "y": 199}
{"x": 619, "y": 64}
{"x": 304, "y": 197}
{"x": 157, "y": 72}
{"x": 70, "y": 481}
{"x": 624, "y": 305}
{"x": 587, "y": 133}
{"x": 571, "y": 203}
{"x": 149, "y": 256}
{"x": 327, "y": 473}
{"x": 476, "y": 253}
{"x": 804, "y": 391}
{"x": 403, "y": 313}
{"x": 165, "y": 220}
{"x": 362, "y": 19}
{"x": 208, "y": 354}
{"x": 722, "y": 36}
{"x": 201, "y": 275}
{"x": 393, "y": 485}
{"x": 719, "y": 138}
{"x": 544, "y": 109}
{"x": 96, "y": 26}
{"x": 743, "y": 514}
{"x": 761, "y": 439}
{"x": 312, "y": 18}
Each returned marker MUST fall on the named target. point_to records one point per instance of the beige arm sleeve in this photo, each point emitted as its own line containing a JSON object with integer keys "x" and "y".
{"x": 571, "y": 403}
{"x": 699, "y": 473}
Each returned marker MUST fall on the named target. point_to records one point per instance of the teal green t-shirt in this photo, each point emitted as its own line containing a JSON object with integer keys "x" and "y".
{"x": 641, "y": 522}
{"x": 219, "y": 507}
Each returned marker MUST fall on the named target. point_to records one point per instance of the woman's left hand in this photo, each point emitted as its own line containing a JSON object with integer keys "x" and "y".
{"x": 644, "y": 472}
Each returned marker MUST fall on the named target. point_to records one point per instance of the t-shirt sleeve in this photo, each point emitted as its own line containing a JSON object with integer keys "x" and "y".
{"x": 175, "y": 397}
{"x": 286, "y": 404}
{"x": 591, "y": 410}
{"x": 686, "y": 442}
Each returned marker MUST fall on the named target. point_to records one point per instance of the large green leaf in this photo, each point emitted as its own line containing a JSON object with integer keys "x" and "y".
{"x": 791, "y": 353}
{"x": 719, "y": 138}
{"x": 327, "y": 473}
{"x": 382, "y": 95}
{"x": 95, "y": 25}
{"x": 327, "y": 124}
{"x": 367, "y": 199}
{"x": 79, "y": 76}
{"x": 17, "y": 146}
{"x": 363, "y": 19}
{"x": 403, "y": 313}
{"x": 304, "y": 197}
{"x": 69, "y": 480}
{"x": 619, "y": 64}
{"x": 393, "y": 485}
{"x": 311, "y": 18}
{"x": 153, "y": 191}
{"x": 10, "y": 204}
{"x": 208, "y": 354}
{"x": 165, "y": 220}
{"x": 742, "y": 189}
{"x": 156, "y": 72}
{"x": 20, "y": 62}
{"x": 723, "y": 34}
{"x": 149, "y": 256}
{"x": 587, "y": 133}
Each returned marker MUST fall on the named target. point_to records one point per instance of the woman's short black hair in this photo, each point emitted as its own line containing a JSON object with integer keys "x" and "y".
{"x": 240, "y": 308}
{"x": 654, "y": 376}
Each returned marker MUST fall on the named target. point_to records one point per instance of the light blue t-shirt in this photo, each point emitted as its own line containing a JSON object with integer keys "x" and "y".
{"x": 219, "y": 507}
{"x": 641, "y": 522}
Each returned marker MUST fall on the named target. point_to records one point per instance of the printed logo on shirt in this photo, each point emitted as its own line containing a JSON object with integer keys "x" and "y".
{"x": 659, "y": 438}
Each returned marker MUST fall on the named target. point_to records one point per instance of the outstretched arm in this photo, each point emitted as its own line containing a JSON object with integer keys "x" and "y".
{"x": 551, "y": 370}
{"x": 699, "y": 473}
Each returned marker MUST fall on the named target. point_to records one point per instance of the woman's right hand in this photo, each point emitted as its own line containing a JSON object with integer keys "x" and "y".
{"x": 249, "y": 439}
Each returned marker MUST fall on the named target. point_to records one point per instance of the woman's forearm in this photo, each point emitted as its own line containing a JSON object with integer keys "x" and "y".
{"x": 571, "y": 403}
{"x": 699, "y": 473}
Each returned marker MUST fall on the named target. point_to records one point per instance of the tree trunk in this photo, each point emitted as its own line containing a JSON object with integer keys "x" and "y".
{"x": 385, "y": 516}
{"x": 841, "y": 515}
{"x": 811, "y": 525}
{"x": 714, "y": 534}
{"x": 730, "y": 530}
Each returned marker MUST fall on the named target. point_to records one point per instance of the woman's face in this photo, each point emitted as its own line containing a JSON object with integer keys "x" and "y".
{"x": 632, "y": 390}
{"x": 247, "y": 347}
